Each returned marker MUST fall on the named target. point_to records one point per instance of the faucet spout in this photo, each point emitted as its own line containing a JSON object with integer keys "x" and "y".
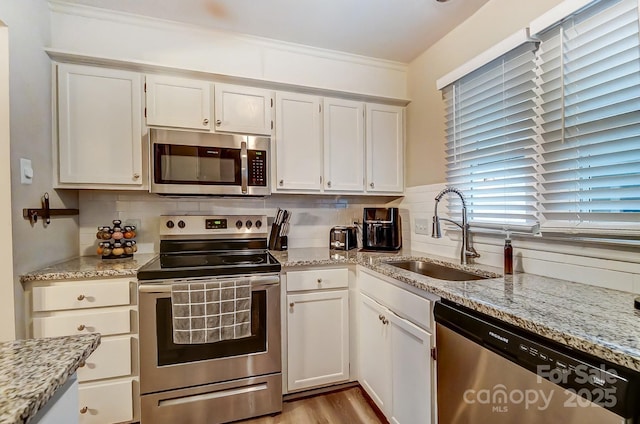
{"x": 466, "y": 250}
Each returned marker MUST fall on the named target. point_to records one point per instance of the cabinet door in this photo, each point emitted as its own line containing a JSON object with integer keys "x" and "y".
{"x": 318, "y": 339}
{"x": 178, "y": 102}
{"x": 385, "y": 148}
{"x": 99, "y": 126}
{"x": 244, "y": 110}
{"x": 106, "y": 402}
{"x": 411, "y": 371}
{"x": 375, "y": 352}
{"x": 343, "y": 145}
{"x": 298, "y": 144}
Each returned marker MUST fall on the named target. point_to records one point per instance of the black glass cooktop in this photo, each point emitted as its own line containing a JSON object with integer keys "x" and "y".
{"x": 188, "y": 259}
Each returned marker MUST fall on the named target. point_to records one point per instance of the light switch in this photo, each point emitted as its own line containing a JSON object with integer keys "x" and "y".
{"x": 26, "y": 171}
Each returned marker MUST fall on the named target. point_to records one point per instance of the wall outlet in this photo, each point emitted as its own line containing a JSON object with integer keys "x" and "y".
{"x": 422, "y": 226}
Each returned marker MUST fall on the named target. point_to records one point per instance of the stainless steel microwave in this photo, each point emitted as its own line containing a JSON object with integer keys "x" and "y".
{"x": 193, "y": 163}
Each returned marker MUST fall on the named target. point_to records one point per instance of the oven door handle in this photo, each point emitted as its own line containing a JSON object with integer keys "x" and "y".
{"x": 257, "y": 283}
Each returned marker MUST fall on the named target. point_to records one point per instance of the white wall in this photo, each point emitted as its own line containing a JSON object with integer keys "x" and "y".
{"x": 30, "y": 106}
{"x": 313, "y": 216}
{"x": 96, "y": 32}
{"x": 7, "y": 332}
{"x": 597, "y": 265}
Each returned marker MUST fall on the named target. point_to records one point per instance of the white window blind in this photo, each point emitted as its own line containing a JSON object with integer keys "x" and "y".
{"x": 491, "y": 141}
{"x": 589, "y": 115}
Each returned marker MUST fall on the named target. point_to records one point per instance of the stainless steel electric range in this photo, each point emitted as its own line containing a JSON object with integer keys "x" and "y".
{"x": 216, "y": 382}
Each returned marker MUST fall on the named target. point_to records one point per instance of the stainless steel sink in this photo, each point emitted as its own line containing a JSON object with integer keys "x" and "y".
{"x": 437, "y": 271}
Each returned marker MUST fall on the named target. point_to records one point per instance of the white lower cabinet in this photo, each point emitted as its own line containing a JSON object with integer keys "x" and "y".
{"x": 318, "y": 336}
{"x": 395, "y": 365}
{"x": 411, "y": 377}
{"x": 375, "y": 353}
{"x": 316, "y": 316}
{"x": 109, "y": 402}
{"x": 107, "y": 306}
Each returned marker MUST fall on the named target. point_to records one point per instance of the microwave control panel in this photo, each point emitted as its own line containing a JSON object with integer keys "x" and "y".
{"x": 257, "y": 163}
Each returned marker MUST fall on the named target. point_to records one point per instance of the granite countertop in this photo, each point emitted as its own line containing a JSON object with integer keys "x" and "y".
{"x": 32, "y": 370}
{"x": 599, "y": 321}
{"x": 602, "y": 322}
{"x": 85, "y": 267}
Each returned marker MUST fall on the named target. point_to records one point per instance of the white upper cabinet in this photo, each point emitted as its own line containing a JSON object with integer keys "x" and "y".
{"x": 343, "y": 145}
{"x": 244, "y": 110}
{"x": 298, "y": 144}
{"x": 385, "y": 148}
{"x": 99, "y": 128}
{"x": 178, "y": 102}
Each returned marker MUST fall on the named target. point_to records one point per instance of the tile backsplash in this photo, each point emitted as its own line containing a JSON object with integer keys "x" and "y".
{"x": 313, "y": 215}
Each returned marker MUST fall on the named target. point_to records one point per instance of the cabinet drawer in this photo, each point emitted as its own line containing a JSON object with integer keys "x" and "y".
{"x": 110, "y": 402}
{"x": 402, "y": 302}
{"x": 317, "y": 279}
{"x": 111, "y": 359}
{"x": 88, "y": 294}
{"x": 70, "y": 323}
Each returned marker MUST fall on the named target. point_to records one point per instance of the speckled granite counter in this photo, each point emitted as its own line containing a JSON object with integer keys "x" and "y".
{"x": 32, "y": 370}
{"x": 596, "y": 320}
{"x": 85, "y": 267}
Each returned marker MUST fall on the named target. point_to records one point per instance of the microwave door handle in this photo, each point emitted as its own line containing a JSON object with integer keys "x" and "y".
{"x": 244, "y": 167}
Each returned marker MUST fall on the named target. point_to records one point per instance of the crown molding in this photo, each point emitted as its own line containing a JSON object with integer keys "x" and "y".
{"x": 63, "y": 7}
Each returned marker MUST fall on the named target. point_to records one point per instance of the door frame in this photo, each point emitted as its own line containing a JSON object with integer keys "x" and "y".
{"x": 7, "y": 284}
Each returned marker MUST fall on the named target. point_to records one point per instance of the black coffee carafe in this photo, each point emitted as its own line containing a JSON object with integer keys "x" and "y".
{"x": 381, "y": 229}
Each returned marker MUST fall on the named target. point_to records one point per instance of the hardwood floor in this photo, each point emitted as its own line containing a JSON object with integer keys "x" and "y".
{"x": 348, "y": 406}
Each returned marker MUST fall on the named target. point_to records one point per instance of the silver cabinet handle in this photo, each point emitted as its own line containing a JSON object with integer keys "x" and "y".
{"x": 281, "y": 182}
{"x": 205, "y": 121}
{"x": 136, "y": 176}
{"x": 385, "y": 321}
{"x": 291, "y": 304}
{"x": 380, "y": 317}
{"x": 372, "y": 185}
{"x": 328, "y": 183}
{"x": 82, "y": 364}
{"x": 84, "y": 410}
{"x": 81, "y": 297}
{"x": 81, "y": 327}
{"x": 218, "y": 122}
{"x": 319, "y": 280}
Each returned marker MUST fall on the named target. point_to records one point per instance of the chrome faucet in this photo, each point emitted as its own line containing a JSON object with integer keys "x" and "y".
{"x": 467, "y": 250}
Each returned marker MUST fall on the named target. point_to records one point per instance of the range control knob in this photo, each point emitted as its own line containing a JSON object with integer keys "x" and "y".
{"x": 258, "y": 224}
{"x": 181, "y": 224}
{"x": 249, "y": 224}
{"x": 238, "y": 224}
{"x": 170, "y": 224}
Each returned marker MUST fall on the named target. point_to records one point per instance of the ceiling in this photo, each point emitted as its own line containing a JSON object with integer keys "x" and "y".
{"x": 396, "y": 30}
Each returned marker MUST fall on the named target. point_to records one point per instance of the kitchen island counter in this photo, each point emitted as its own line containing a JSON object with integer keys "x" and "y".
{"x": 32, "y": 370}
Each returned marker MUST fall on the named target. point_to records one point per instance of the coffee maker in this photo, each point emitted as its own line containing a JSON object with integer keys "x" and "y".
{"x": 381, "y": 229}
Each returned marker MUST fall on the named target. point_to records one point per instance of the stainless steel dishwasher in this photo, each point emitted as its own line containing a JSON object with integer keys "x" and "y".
{"x": 492, "y": 372}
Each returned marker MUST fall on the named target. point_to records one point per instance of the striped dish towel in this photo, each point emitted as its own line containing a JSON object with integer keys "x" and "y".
{"x": 211, "y": 311}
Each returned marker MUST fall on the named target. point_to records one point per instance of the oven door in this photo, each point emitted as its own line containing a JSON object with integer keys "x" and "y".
{"x": 165, "y": 365}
